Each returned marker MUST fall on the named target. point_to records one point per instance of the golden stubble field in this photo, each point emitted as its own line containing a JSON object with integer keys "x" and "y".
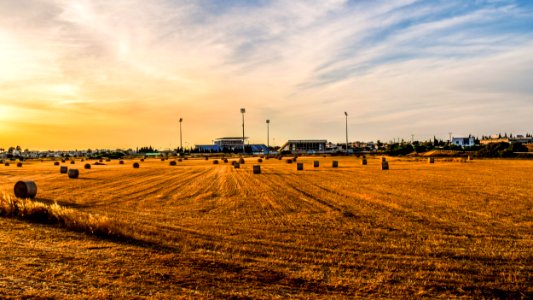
{"x": 448, "y": 229}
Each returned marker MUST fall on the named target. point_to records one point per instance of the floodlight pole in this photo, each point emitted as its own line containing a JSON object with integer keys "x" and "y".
{"x": 346, "y": 114}
{"x": 268, "y": 135}
{"x": 181, "y": 144}
{"x": 242, "y": 112}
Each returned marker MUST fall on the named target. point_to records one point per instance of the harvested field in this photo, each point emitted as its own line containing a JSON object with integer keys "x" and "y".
{"x": 448, "y": 229}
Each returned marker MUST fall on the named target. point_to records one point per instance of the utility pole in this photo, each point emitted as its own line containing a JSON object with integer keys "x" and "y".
{"x": 346, "y": 114}
{"x": 450, "y": 140}
{"x": 268, "y": 135}
{"x": 181, "y": 144}
{"x": 242, "y": 112}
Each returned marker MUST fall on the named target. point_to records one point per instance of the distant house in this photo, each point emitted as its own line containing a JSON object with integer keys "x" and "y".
{"x": 463, "y": 141}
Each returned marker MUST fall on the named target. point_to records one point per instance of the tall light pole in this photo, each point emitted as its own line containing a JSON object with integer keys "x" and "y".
{"x": 181, "y": 144}
{"x": 242, "y": 112}
{"x": 268, "y": 135}
{"x": 346, "y": 114}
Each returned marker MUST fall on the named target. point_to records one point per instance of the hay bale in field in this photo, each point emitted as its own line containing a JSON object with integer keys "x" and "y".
{"x": 237, "y": 165}
{"x": 73, "y": 173}
{"x": 100, "y": 160}
{"x": 6, "y": 164}
{"x": 207, "y": 158}
{"x": 63, "y": 169}
{"x": 384, "y": 165}
{"x": 19, "y": 165}
{"x": 225, "y": 160}
{"x": 136, "y": 165}
{"x": 299, "y": 166}
{"x": 87, "y": 166}
{"x": 72, "y": 162}
{"x": 241, "y": 160}
{"x": 364, "y": 161}
{"x": 108, "y": 160}
{"x": 162, "y": 159}
{"x": 83, "y": 159}
{"x": 260, "y": 160}
{"x": 120, "y": 162}
{"x": 215, "y": 162}
{"x": 334, "y": 164}
{"x": 316, "y": 164}
{"x": 257, "y": 169}
{"x": 25, "y": 189}
{"x": 172, "y": 163}
{"x": 63, "y": 161}
{"x": 179, "y": 160}
{"x": 280, "y": 158}
{"x": 185, "y": 158}
{"x": 289, "y": 161}
{"x": 56, "y": 163}
{"x": 142, "y": 159}
{"x": 431, "y": 160}
{"x": 383, "y": 158}
{"x": 295, "y": 158}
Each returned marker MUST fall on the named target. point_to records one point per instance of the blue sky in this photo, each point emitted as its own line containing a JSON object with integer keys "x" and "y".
{"x": 131, "y": 68}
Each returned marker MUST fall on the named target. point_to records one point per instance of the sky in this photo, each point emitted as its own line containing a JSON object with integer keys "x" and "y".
{"x": 119, "y": 74}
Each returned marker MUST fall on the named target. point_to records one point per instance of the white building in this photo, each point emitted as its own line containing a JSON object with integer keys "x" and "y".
{"x": 463, "y": 141}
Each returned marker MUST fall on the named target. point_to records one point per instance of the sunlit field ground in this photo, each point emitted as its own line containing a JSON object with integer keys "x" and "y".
{"x": 449, "y": 229}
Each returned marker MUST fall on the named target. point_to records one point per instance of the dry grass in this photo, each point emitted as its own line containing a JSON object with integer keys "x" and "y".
{"x": 447, "y": 230}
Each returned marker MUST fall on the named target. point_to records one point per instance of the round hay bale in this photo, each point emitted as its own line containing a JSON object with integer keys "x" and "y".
{"x": 100, "y": 160}
{"x": 185, "y": 158}
{"x": 260, "y": 160}
{"x": 136, "y": 165}
{"x": 207, "y": 158}
{"x": 384, "y": 165}
{"x": 83, "y": 159}
{"x": 73, "y": 173}
{"x": 56, "y": 163}
{"x": 162, "y": 159}
{"x": 63, "y": 161}
{"x": 179, "y": 159}
{"x": 172, "y": 163}
{"x": 364, "y": 162}
{"x": 237, "y": 165}
{"x": 87, "y": 166}
{"x": 289, "y": 161}
{"x": 63, "y": 169}
{"x": 241, "y": 160}
{"x": 72, "y": 162}
{"x": 233, "y": 163}
{"x": 108, "y": 160}
{"x": 280, "y": 158}
{"x": 316, "y": 164}
{"x": 257, "y": 169}
{"x": 142, "y": 159}
{"x": 25, "y": 189}
{"x": 299, "y": 166}
{"x": 225, "y": 160}
{"x": 431, "y": 160}
{"x": 215, "y": 162}
{"x": 120, "y": 162}
{"x": 334, "y": 164}
{"x": 383, "y": 158}
{"x": 19, "y": 165}
{"x": 6, "y": 164}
